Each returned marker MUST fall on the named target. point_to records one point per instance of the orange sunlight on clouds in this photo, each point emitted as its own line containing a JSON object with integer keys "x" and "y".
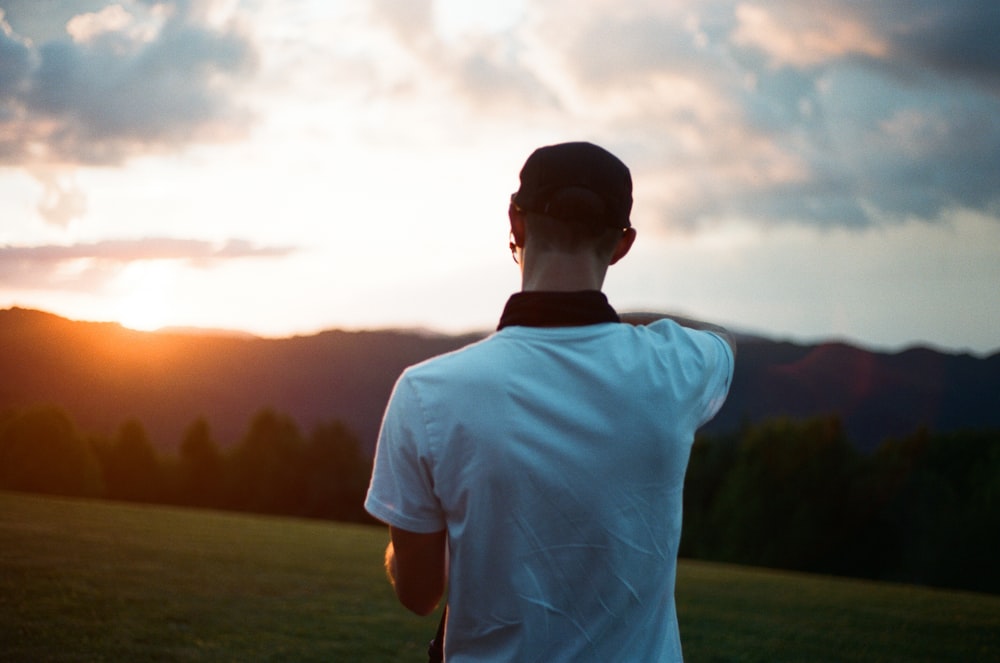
{"x": 286, "y": 166}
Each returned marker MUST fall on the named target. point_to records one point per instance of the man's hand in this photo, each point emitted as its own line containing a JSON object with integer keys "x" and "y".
{"x": 415, "y": 564}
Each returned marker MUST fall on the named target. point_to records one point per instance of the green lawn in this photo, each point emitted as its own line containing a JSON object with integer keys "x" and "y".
{"x": 97, "y": 581}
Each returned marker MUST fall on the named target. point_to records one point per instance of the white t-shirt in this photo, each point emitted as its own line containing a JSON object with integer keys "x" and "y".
{"x": 555, "y": 458}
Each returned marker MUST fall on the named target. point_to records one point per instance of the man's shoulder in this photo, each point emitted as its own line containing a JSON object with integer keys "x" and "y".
{"x": 687, "y": 345}
{"x": 454, "y": 360}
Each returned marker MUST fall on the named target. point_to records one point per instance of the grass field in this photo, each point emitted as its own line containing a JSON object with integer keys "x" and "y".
{"x": 97, "y": 581}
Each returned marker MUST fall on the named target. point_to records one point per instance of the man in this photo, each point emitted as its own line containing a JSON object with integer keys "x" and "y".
{"x": 539, "y": 472}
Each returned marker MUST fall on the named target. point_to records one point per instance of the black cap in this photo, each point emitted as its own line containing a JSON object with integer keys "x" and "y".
{"x": 577, "y": 182}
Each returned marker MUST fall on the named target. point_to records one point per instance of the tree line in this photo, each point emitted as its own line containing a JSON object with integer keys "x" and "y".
{"x": 923, "y": 509}
{"x": 274, "y": 469}
{"x": 783, "y": 493}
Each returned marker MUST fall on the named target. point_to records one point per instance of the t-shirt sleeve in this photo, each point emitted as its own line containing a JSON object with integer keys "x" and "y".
{"x": 401, "y": 492}
{"x": 719, "y": 364}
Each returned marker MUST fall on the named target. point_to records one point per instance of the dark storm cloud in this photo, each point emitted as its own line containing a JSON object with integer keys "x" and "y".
{"x": 956, "y": 38}
{"x": 143, "y": 81}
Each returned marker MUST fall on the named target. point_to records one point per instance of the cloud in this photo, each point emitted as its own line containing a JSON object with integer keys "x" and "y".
{"x": 15, "y": 62}
{"x": 793, "y": 34}
{"x": 486, "y": 70}
{"x": 61, "y": 203}
{"x": 897, "y": 116}
{"x": 410, "y": 20}
{"x": 839, "y": 114}
{"x": 949, "y": 39}
{"x": 125, "y": 80}
{"x": 87, "y": 266}
{"x": 490, "y": 77}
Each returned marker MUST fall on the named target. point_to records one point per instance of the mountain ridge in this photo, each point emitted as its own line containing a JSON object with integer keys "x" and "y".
{"x": 102, "y": 374}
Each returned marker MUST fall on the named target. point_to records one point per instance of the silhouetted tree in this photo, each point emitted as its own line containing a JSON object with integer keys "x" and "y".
{"x": 786, "y": 502}
{"x": 336, "y": 474}
{"x": 794, "y": 494}
{"x": 200, "y": 467}
{"x": 132, "y": 471}
{"x": 944, "y": 508}
{"x": 712, "y": 459}
{"x": 266, "y": 469}
{"x": 42, "y": 452}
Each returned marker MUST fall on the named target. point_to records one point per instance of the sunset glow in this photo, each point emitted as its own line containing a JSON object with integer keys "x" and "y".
{"x": 286, "y": 166}
{"x": 145, "y": 303}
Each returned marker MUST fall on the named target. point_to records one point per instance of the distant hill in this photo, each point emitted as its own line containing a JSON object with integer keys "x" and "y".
{"x": 876, "y": 395}
{"x": 103, "y": 374}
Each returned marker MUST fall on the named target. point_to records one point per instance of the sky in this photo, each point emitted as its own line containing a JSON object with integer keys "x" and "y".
{"x": 805, "y": 171}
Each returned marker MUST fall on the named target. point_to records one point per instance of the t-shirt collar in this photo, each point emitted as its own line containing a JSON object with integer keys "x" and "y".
{"x": 557, "y": 309}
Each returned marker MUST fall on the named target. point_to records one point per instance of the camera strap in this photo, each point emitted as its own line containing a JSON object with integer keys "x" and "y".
{"x": 435, "y": 651}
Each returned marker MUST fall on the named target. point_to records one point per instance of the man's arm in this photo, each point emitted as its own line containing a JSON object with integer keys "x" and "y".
{"x": 415, "y": 564}
{"x": 647, "y": 318}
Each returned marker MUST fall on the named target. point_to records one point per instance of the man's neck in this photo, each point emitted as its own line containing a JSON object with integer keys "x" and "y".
{"x": 562, "y": 272}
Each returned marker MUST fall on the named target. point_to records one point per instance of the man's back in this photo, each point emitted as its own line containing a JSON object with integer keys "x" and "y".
{"x": 539, "y": 474}
{"x": 555, "y": 458}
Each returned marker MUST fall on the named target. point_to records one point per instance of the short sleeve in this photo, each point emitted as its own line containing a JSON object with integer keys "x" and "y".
{"x": 719, "y": 364}
{"x": 401, "y": 492}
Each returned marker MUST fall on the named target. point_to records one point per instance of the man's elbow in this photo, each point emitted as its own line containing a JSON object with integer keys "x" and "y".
{"x": 415, "y": 564}
{"x": 730, "y": 340}
{"x": 421, "y": 602}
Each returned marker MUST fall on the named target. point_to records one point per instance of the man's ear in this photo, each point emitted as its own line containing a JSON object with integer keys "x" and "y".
{"x": 623, "y": 246}
{"x": 516, "y": 217}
